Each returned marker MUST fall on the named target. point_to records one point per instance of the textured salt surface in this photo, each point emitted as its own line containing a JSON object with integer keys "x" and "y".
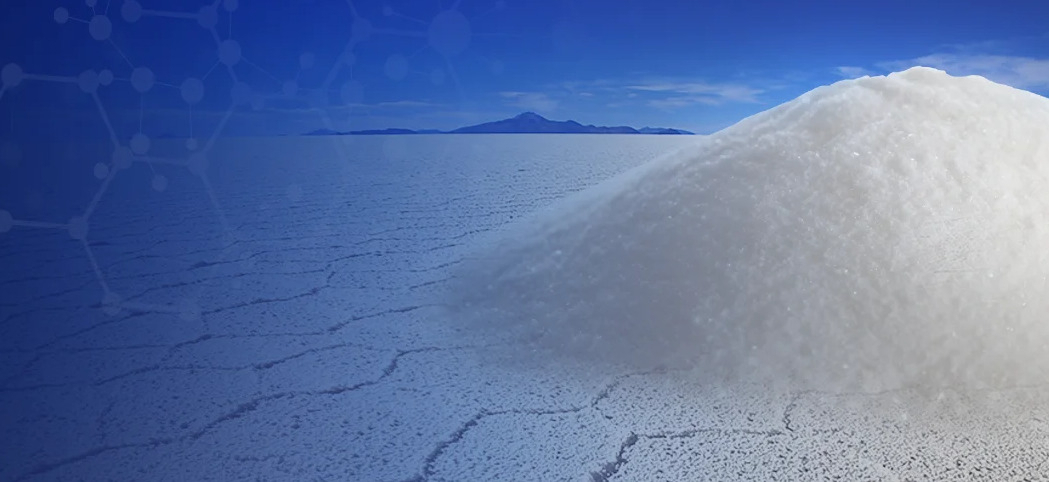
{"x": 875, "y": 233}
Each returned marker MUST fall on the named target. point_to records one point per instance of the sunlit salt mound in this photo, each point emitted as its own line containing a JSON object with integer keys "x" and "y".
{"x": 875, "y": 233}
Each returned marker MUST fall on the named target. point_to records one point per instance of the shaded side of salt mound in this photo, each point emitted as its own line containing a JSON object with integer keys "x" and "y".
{"x": 875, "y": 233}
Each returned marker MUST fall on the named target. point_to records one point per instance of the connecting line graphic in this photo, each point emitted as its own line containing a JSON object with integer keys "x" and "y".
{"x": 448, "y": 33}
{"x": 142, "y": 80}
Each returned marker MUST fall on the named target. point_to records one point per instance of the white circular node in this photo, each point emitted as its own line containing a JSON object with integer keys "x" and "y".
{"x": 131, "y": 11}
{"x": 191, "y": 144}
{"x": 396, "y": 67}
{"x": 290, "y": 88}
{"x": 123, "y": 157}
{"x": 105, "y": 77}
{"x": 362, "y": 29}
{"x": 12, "y": 75}
{"x": 88, "y": 81}
{"x": 198, "y": 164}
{"x": 111, "y": 303}
{"x": 230, "y": 5}
{"x": 160, "y": 183}
{"x": 229, "y": 52}
{"x": 100, "y": 27}
{"x": 90, "y": 3}
{"x": 61, "y": 15}
{"x": 208, "y": 17}
{"x": 437, "y": 76}
{"x": 306, "y": 60}
{"x": 6, "y": 221}
{"x": 241, "y": 94}
{"x": 352, "y": 92}
{"x": 78, "y": 228}
{"x": 142, "y": 79}
{"x": 449, "y": 33}
{"x": 139, "y": 144}
{"x": 192, "y": 90}
{"x": 101, "y": 171}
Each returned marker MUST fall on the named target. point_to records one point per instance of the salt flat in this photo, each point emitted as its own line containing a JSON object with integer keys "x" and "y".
{"x": 293, "y": 330}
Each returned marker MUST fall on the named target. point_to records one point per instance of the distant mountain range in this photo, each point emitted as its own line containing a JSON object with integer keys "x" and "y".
{"x": 526, "y": 123}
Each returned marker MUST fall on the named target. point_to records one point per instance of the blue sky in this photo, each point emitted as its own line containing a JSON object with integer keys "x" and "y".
{"x": 306, "y": 64}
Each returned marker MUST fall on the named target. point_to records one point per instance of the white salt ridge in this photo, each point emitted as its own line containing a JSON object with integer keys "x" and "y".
{"x": 876, "y": 233}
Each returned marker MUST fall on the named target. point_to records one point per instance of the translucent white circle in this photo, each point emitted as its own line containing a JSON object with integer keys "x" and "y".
{"x": 61, "y": 15}
{"x": 88, "y": 81}
{"x": 78, "y": 228}
{"x": 437, "y": 76}
{"x": 101, "y": 171}
{"x": 241, "y": 93}
{"x": 396, "y": 67}
{"x": 160, "y": 183}
{"x": 111, "y": 304}
{"x": 449, "y": 33}
{"x": 12, "y": 75}
{"x": 229, "y": 52}
{"x": 290, "y": 88}
{"x": 352, "y": 92}
{"x": 362, "y": 29}
{"x": 192, "y": 90}
{"x": 191, "y": 144}
{"x": 140, "y": 143}
{"x": 230, "y": 5}
{"x": 306, "y": 60}
{"x": 123, "y": 157}
{"x": 6, "y": 221}
{"x": 208, "y": 17}
{"x": 142, "y": 79}
{"x": 100, "y": 27}
{"x": 131, "y": 11}
{"x": 198, "y": 163}
{"x": 105, "y": 77}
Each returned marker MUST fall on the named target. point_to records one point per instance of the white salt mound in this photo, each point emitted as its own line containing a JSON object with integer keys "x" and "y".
{"x": 875, "y": 233}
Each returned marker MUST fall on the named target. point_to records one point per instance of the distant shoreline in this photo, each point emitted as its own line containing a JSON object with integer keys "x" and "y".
{"x": 525, "y": 123}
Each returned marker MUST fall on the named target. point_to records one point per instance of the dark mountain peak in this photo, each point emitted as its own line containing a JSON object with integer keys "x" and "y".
{"x": 523, "y": 123}
{"x": 530, "y": 116}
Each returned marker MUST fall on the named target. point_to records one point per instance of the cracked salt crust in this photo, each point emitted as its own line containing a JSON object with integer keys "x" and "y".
{"x": 367, "y": 384}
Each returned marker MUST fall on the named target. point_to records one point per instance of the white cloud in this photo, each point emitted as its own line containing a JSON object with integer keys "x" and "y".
{"x": 407, "y": 103}
{"x": 1020, "y": 72}
{"x": 677, "y": 102}
{"x": 702, "y": 92}
{"x": 851, "y": 72}
{"x": 533, "y": 101}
